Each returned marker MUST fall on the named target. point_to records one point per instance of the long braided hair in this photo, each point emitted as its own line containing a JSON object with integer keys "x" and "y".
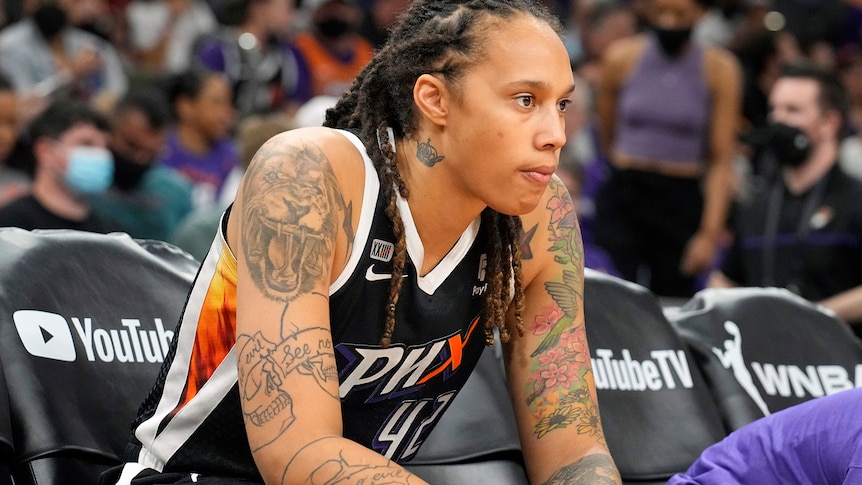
{"x": 442, "y": 37}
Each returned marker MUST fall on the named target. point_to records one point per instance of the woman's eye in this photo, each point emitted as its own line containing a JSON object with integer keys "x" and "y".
{"x": 525, "y": 101}
{"x": 564, "y": 104}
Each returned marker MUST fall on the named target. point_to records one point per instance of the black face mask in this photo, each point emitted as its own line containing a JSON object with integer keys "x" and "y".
{"x": 128, "y": 174}
{"x": 333, "y": 27}
{"x": 672, "y": 41}
{"x": 790, "y": 145}
{"x": 50, "y": 20}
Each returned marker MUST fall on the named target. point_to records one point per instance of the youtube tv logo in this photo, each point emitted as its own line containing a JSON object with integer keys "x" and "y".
{"x": 45, "y": 334}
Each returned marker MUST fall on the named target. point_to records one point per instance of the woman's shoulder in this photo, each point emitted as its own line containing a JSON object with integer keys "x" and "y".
{"x": 332, "y": 146}
{"x": 324, "y": 150}
{"x": 312, "y": 174}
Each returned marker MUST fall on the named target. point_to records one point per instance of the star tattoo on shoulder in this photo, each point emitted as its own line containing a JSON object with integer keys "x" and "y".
{"x": 526, "y": 239}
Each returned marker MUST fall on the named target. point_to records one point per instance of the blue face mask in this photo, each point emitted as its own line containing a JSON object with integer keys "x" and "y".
{"x": 90, "y": 170}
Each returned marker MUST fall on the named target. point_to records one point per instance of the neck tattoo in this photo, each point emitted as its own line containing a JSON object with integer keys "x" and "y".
{"x": 427, "y": 154}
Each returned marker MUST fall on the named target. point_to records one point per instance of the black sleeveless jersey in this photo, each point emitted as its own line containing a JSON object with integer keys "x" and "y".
{"x": 391, "y": 397}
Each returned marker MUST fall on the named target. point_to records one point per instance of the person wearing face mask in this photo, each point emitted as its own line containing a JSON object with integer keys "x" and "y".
{"x": 72, "y": 163}
{"x": 801, "y": 228}
{"x": 44, "y": 54}
{"x": 667, "y": 110}
{"x": 333, "y": 49}
{"x": 147, "y": 197}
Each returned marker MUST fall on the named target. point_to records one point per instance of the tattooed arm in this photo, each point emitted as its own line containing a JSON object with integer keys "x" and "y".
{"x": 549, "y": 370}
{"x": 290, "y": 226}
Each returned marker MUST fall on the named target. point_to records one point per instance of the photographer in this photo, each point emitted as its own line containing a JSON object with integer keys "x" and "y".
{"x": 801, "y": 228}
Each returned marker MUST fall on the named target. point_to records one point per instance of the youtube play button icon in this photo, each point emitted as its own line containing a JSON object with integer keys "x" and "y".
{"x": 45, "y": 334}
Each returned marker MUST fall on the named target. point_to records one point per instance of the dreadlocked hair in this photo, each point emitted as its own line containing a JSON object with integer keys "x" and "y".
{"x": 442, "y": 37}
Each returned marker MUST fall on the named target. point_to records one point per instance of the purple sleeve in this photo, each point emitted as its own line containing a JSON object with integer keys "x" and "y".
{"x": 817, "y": 442}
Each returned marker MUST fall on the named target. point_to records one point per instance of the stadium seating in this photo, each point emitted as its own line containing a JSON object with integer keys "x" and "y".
{"x": 656, "y": 409}
{"x": 765, "y": 349}
{"x": 85, "y": 322}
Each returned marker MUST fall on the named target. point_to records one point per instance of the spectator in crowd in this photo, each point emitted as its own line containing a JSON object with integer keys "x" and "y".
{"x": 43, "y": 54}
{"x": 195, "y": 232}
{"x": 13, "y": 182}
{"x": 333, "y": 49}
{"x": 162, "y": 33}
{"x": 146, "y": 197}
{"x": 762, "y": 56}
{"x": 251, "y": 48}
{"x": 70, "y": 147}
{"x": 818, "y": 442}
{"x": 802, "y": 228}
{"x": 199, "y": 145}
{"x": 668, "y": 113}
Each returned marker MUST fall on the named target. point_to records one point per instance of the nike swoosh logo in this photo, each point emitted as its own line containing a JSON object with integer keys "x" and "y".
{"x": 370, "y": 275}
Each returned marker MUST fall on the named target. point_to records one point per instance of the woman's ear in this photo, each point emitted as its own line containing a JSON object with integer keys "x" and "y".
{"x": 432, "y": 98}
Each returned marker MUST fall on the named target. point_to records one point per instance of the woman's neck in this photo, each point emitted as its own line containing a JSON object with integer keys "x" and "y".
{"x": 441, "y": 208}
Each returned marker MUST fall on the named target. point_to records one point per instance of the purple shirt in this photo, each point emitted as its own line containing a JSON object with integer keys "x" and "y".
{"x": 207, "y": 172}
{"x": 663, "y": 111}
{"x": 816, "y": 442}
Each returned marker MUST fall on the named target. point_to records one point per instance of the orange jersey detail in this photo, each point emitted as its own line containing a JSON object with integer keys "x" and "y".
{"x": 216, "y": 330}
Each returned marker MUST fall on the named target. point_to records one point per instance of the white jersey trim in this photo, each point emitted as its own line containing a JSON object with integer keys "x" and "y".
{"x": 366, "y": 216}
{"x": 187, "y": 420}
{"x": 177, "y": 376}
{"x": 430, "y": 282}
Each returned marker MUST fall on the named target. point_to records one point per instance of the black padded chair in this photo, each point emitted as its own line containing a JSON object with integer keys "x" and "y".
{"x": 656, "y": 410}
{"x": 765, "y": 349}
{"x": 476, "y": 440}
{"x": 85, "y": 322}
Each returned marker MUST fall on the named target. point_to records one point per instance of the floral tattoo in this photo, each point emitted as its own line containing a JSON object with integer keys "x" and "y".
{"x": 558, "y": 392}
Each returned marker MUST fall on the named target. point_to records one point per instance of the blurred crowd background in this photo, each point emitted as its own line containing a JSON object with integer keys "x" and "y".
{"x": 189, "y": 89}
